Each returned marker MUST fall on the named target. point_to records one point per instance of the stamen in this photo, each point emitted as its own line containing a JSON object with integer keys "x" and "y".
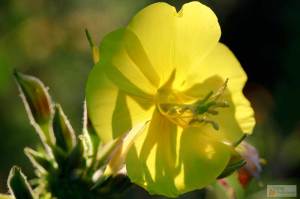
{"x": 205, "y": 120}
{"x": 221, "y": 90}
{"x": 198, "y": 112}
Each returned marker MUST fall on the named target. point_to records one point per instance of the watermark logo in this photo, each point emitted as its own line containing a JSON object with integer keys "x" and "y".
{"x": 282, "y": 191}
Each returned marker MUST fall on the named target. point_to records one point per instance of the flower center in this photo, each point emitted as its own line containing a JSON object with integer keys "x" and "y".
{"x": 172, "y": 105}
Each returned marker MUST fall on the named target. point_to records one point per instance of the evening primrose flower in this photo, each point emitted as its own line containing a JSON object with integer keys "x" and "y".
{"x": 167, "y": 72}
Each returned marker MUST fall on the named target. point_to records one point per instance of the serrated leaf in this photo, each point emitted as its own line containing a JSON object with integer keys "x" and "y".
{"x": 63, "y": 131}
{"x": 236, "y": 162}
{"x": 38, "y": 160}
{"x": 18, "y": 184}
{"x": 37, "y": 103}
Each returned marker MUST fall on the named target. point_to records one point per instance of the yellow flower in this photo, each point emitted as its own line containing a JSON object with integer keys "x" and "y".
{"x": 168, "y": 68}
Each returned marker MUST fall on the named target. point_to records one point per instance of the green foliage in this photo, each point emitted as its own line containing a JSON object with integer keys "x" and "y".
{"x": 63, "y": 131}
{"x": 19, "y": 185}
{"x": 37, "y": 103}
{"x": 68, "y": 166}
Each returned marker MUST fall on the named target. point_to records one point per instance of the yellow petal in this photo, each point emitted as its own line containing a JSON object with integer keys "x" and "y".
{"x": 209, "y": 75}
{"x": 111, "y": 110}
{"x": 168, "y": 161}
{"x": 127, "y": 63}
{"x": 175, "y": 40}
{"x": 203, "y": 158}
{"x": 2, "y": 196}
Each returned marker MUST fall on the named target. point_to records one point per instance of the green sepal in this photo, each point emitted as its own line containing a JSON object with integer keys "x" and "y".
{"x": 18, "y": 184}
{"x": 63, "y": 131}
{"x": 87, "y": 153}
{"x": 90, "y": 141}
{"x": 39, "y": 161}
{"x": 235, "y": 162}
{"x": 89, "y": 130}
{"x": 37, "y": 103}
{"x": 60, "y": 156}
{"x": 67, "y": 162}
{"x": 75, "y": 159}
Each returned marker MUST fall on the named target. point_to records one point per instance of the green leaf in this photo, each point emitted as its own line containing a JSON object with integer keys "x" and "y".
{"x": 236, "y": 162}
{"x": 18, "y": 184}
{"x": 38, "y": 160}
{"x": 37, "y": 103}
{"x": 63, "y": 131}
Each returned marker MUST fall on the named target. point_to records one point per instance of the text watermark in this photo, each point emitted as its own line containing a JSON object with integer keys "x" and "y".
{"x": 283, "y": 191}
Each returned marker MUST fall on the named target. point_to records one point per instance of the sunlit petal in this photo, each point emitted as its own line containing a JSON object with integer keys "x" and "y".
{"x": 111, "y": 110}
{"x": 168, "y": 160}
{"x": 174, "y": 40}
{"x": 220, "y": 65}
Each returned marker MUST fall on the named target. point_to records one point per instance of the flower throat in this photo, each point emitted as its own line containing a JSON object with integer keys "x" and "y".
{"x": 192, "y": 114}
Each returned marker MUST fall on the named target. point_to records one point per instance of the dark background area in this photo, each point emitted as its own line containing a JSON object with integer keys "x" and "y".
{"x": 46, "y": 39}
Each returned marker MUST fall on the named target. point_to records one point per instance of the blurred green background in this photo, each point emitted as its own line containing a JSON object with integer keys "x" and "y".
{"x": 46, "y": 39}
